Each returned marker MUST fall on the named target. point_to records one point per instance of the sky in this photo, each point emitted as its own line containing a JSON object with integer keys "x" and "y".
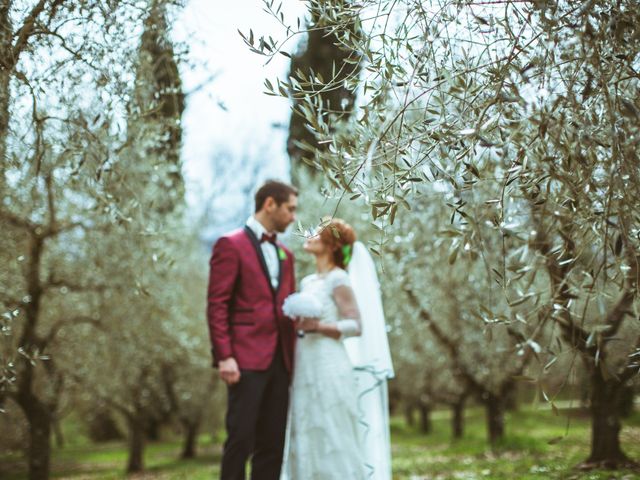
{"x": 231, "y": 114}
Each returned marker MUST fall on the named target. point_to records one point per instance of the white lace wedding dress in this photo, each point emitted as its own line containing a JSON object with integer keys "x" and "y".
{"x": 324, "y": 441}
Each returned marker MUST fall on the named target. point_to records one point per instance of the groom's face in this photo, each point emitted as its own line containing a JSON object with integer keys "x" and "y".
{"x": 284, "y": 214}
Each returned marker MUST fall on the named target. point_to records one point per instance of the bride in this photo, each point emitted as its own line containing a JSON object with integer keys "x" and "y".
{"x": 338, "y": 418}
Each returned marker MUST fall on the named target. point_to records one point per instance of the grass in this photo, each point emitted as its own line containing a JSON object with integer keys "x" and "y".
{"x": 525, "y": 453}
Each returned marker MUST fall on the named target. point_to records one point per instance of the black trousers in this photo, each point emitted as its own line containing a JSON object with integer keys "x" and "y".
{"x": 256, "y": 423}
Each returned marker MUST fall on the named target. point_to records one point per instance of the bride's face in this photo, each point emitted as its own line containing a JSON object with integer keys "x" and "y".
{"x": 315, "y": 245}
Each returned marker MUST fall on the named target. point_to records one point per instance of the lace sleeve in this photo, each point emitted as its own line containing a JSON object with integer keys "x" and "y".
{"x": 348, "y": 313}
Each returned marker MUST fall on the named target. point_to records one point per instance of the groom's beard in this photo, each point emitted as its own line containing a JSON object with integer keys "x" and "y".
{"x": 281, "y": 229}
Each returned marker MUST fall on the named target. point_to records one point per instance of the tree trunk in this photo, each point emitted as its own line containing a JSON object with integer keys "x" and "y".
{"x": 495, "y": 418}
{"x": 103, "y": 428}
{"x": 511, "y": 398}
{"x": 136, "y": 445}
{"x": 39, "y": 421}
{"x": 457, "y": 419}
{"x": 425, "y": 419}
{"x": 190, "y": 439}
{"x": 153, "y": 430}
{"x": 37, "y": 412}
{"x": 605, "y": 398}
{"x": 57, "y": 432}
{"x": 408, "y": 415}
{"x": 627, "y": 396}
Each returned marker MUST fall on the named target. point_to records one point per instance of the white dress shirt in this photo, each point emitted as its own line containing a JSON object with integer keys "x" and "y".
{"x": 269, "y": 250}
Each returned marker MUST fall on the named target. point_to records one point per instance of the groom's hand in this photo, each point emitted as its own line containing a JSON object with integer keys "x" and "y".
{"x": 229, "y": 371}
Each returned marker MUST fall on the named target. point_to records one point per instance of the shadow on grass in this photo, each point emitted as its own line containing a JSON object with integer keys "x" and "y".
{"x": 524, "y": 454}
{"x": 109, "y": 460}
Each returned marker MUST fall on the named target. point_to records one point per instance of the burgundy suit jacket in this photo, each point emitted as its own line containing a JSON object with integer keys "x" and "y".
{"x": 244, "y": 311}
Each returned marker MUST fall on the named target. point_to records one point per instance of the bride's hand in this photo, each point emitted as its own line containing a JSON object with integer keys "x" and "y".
{"x": 307, "y": 324}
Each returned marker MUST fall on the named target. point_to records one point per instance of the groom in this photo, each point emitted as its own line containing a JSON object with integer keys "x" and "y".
{"x": 252, "y": 341}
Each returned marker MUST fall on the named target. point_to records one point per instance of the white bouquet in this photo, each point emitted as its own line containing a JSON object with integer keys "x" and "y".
{"x": 302, "y": 304}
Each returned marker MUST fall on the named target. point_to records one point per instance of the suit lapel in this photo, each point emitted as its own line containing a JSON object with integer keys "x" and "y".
{"x": 280, "y": 267}
{"x": 258, "y": 249}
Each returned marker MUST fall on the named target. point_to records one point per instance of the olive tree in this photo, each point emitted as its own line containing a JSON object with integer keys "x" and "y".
{"x": 529, "y": 112}
{"x": 66, "y": 77}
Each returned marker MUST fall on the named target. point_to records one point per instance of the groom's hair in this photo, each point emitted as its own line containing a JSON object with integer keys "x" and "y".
{"x": 275, "y": 189}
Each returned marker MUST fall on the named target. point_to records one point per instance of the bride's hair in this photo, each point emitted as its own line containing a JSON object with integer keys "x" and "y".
{"x": 340, "y": 237}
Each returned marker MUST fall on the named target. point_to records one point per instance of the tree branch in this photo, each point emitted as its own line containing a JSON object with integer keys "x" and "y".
{"x": 108, "y": 399}
{"x": 573, "y": 334}
{"x": 451, "y": 347}
{"x": 33, "y": 228}
{"x": 57, "y": 326}
{"x": 56, "y": 229}
{"x": 24, "y": 32}
{"x": 8, "y": 300}
{"x": 16, "y": 221}
{"x": 76, "y": 54}
{"x": 27, "y": 29}
{"x": 54, "y": 282}
{"x": 50, "y": 200}
{"x": 622, "y": 308}
{"x": 632, "y": 367}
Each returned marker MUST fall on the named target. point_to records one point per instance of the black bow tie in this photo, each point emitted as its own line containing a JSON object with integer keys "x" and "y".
{"x": 268, "y": 237}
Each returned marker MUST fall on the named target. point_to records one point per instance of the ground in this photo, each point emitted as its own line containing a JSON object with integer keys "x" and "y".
{"x": 538, "y": 445}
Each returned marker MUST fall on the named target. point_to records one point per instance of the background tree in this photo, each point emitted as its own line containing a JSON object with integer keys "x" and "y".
{"x": 323, "y": 64}
{"x": 49, "y": 211}
{"x": 56, "y": 208}
{"x": 155, "y": 113}
{"x": 148, "y": 190}
{"x": 488, "y": 341}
